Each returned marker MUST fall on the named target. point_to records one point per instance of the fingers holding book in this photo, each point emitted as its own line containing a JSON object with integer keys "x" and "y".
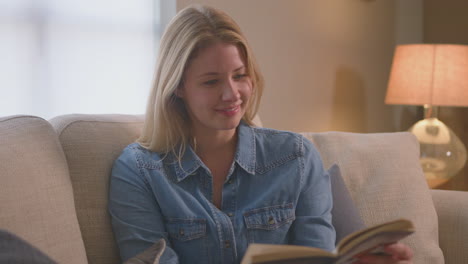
{"x": 395, "y": 253}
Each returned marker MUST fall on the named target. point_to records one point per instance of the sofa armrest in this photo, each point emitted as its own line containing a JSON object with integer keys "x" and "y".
{"x": 451, "y": 207}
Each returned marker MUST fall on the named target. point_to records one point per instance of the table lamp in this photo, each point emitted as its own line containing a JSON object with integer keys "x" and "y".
{"x": 432, "y": 75}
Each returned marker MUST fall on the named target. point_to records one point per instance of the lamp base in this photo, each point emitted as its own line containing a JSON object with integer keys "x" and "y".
{"x": 436, "y": 182}
{"x": 443, "y": 154}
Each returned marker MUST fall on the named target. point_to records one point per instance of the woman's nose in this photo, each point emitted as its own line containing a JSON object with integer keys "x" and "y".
{"x": 230, "y": 91}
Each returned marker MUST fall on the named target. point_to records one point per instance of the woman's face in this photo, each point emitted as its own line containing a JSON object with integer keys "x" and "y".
{"x": 216, "y": 88}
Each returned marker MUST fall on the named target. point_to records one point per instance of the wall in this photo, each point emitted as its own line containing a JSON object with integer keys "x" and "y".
{"x": 447, "y": 22}
{"x": 326, "y": 62}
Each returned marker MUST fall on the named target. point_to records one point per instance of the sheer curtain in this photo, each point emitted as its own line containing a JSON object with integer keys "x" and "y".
{"x": 78, "y": 56}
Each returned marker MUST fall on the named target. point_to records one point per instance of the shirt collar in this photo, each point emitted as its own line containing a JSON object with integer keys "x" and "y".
{"x": 244, "y": 157}
{"x": 188, "y": 164}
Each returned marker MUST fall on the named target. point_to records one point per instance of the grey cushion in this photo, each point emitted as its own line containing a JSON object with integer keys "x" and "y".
{"x": 346, "y": 218}
{"x": 14, "y": 250}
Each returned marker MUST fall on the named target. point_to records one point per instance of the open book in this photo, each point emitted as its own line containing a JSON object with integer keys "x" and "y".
{"x": 369, "y": 240}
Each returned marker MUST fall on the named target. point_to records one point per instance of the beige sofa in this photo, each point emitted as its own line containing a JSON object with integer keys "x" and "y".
{"x": 54, "y": 184}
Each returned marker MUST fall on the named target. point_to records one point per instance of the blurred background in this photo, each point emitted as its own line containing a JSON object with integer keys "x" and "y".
{"x": 78, "y": 56}
{"x": 326, "y": 62}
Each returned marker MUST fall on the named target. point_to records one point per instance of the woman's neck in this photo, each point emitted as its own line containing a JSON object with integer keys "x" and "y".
{"x": 219, "y": 142}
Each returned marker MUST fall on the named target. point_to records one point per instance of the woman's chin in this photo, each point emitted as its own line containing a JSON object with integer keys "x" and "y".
{"x": 229, "y": 124}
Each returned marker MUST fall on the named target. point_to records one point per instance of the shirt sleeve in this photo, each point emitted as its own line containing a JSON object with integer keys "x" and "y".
{"x": 136, "y": 218}
{"x": 313, "y": 225}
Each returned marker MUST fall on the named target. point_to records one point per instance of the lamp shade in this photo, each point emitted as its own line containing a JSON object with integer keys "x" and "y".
{"x": 434, "y": 74}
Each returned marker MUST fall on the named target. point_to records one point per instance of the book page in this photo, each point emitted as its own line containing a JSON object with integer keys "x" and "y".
{"x": 371, "y": 243}
{"x": 309, "y": 260}
{"x": 358, "y": 237}
{"x": 354, "y": 244}
{"x": 264, "y": 253}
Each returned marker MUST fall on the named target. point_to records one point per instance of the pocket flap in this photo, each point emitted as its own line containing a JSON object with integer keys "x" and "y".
{"x": 269, "y": 218}
{"x": 186, "y": 229}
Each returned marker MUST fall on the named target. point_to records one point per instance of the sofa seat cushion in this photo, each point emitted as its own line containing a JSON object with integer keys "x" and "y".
{"x": 386, "y": 181}
{"x": 36, "y": 196}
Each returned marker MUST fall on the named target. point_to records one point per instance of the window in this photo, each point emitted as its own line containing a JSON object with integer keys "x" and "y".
{"x": 78, "y": 56}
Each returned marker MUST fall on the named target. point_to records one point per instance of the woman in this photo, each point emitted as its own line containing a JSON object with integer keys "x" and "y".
{"x": 201, "y": 176}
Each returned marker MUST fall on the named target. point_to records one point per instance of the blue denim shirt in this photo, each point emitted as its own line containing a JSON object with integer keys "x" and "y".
{"x": 276, "y": 192}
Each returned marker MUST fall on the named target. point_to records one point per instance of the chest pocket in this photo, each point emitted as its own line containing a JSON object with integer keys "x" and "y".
{"x": 188, "y": 237}
{"x": 269, "y": 224}
{"x": 186, "y": 229}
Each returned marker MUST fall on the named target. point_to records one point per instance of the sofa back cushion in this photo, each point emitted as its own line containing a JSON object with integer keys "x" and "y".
{"x": 91, "y": 144}
{"x": 386, "y": 182}
{"x": 36, "y": 196}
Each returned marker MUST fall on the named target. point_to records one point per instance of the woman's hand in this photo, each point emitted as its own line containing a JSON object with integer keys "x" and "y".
{"x": 398, "y": 253}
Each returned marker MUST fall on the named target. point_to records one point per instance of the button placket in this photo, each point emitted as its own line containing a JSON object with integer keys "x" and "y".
{"x": 227, "y": 244}
{"x": 228, "y": 212}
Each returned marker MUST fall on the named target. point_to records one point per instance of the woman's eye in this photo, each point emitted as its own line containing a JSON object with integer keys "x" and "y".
{"x": 240, "y": 76}
{"x": 211, "y": 82}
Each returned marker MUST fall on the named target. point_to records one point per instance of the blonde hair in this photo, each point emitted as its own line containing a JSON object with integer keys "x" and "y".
{"x": 166, "y": 128}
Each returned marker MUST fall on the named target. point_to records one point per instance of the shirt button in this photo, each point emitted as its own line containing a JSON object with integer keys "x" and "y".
{"x": 230, "y": 214}
{"x": 227, "y": 244}
{"x": 271, "y": 221}
{"x": 181, "y": 232}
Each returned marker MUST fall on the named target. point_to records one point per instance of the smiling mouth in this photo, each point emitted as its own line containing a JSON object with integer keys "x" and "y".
{"x": 230, "y": 111}
{"x": 230, "y": 108}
